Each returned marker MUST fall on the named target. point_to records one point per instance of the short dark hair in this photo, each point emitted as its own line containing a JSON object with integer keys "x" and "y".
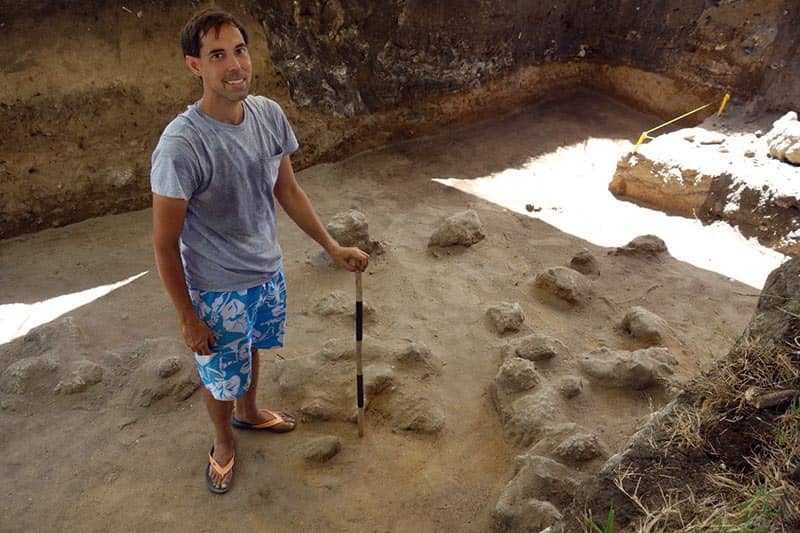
{"x": 201, "y": 23}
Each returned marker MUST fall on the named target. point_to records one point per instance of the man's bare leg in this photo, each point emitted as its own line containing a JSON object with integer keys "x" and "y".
{"x": 220, "y": 413}
{"x": 246, "y": 410}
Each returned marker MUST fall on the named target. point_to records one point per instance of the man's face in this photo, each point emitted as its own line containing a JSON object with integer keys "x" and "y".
{"x": 224, "y": 64}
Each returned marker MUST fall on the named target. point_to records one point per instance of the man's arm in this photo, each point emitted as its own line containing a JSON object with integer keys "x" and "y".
{"x": 168, "y": 217}
{"x": 297, "y": 205}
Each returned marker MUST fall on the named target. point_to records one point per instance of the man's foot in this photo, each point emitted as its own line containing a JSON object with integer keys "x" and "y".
{"x": 219, "y": 471}
{"x": 265, "y": 420}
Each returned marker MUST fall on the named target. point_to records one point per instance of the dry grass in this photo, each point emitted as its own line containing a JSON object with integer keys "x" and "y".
{"x": 746, "y": 456}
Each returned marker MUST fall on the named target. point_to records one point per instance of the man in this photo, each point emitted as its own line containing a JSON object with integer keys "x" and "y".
{"x": 216, "y": 173}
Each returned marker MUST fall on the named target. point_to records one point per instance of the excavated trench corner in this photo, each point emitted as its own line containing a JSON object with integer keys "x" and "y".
{"x": 80, "y": 125}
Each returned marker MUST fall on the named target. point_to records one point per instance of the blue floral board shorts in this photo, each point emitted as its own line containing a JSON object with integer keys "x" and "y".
{"x": 240, "y": 322}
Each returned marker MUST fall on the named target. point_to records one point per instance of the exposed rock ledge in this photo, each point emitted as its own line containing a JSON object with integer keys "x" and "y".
{"x": 717, "y": 172}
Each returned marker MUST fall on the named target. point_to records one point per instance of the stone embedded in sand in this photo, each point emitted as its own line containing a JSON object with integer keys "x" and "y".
{"x": 20, "y": 376}
{"x": 517, "y": 375}
{"x": 86, "y": 374}
{"x": 506, "y": 316}
{"x": 528, "y": 418}
{"x": 412, "y": 353}
{"x": 379, "y": 378}
{"x": 579, "y": 447}
{"x": 146, "y": 384}
{"x": 585, "y": 263}
{"x": 336, "y": 349}
{"x": 536, "y": 347}
{"x": 339, "y": 303}
{"x": 321, "y": 449}
{"x": 570, "y": 386}
{"x": 168, "y": 366}
{"x": 643, "y": 246}
{"x": 521, "y": 514}
{"x": 179, "y": 390}
{"x": 419, "y": 415}
{"x": 402, "y": 351}
{"x": 784, "y": 139}
{"x": 564, "y": 283}
{"x": 463, "y": 229}
{"x": 350, "y": 228}
{"x": 644, "y": 325}
{"x": 149, "y": 388}
{"x": 637, "y": 370}
{"x": 541, "y": 478}
{"x": 320, "y": 409}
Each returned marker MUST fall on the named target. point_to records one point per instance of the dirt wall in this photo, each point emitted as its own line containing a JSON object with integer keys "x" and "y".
{"x": 354, "y": 56}
{"x": 88, "y": 86}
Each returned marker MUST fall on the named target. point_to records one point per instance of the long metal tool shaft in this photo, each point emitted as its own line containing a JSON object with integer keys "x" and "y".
{"x": 359, "y": 371}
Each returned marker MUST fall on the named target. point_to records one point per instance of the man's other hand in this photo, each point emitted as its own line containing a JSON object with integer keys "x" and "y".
{"x": 350, "y": 259}
{"x": 197, "y": 336}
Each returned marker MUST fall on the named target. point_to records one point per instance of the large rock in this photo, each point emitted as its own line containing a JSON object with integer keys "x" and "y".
{"x": 564, "y": 283}
{"x": 516, "y": 375}
{"x": 546, "y": 478}
{"x": 350, "y": 228}
{"x": 776, "y": 320}
{"x": 531, "y": 500}
{"x": 585, "y": 263}
{"x": 463, "y": 229}
{"x": 570, "y": 386}
{"x": 529, "y": 417}
{"x": 637, "y": 370}
{"x": 506, "y": 316}
{"x": 644, "y": 325}
{"x": 784, "y": 139}
{"x": 580, "y": 447}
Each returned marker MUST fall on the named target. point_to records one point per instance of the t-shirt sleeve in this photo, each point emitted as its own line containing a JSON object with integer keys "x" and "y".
{"x": 174, "y": 171}
{"x": 284, "y": 130}
{"x": 291, "y": 145}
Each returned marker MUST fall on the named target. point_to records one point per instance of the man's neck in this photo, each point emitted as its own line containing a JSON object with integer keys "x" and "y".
{"x": 223, "y": 111}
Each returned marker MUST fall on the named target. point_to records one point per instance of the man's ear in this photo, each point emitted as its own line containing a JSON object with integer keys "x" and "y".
{"x": 191, "y": 62}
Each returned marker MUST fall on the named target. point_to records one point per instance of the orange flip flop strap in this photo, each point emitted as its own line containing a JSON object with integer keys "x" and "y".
{"x": 222, "y": 471}
{"x": 278, "y": 419}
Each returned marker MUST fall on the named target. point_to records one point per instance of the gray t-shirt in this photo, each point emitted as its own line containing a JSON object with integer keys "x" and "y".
{"x": 227, "y": 172}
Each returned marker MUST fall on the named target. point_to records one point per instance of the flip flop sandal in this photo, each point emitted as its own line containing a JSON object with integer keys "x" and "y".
{"x": 269, "y": 425}
{"x": 221, "y": 470}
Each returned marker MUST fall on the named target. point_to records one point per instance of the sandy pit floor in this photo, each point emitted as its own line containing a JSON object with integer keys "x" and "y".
{"x": 98, "y": 460}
